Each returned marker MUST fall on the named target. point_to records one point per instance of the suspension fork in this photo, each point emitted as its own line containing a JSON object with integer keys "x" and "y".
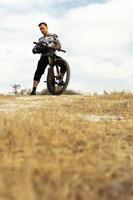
{"x": 57, "y": 69}
{"x": 51, "y": 62}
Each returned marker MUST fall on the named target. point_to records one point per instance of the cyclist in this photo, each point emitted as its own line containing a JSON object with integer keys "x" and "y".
{"x": 52, "y": 41}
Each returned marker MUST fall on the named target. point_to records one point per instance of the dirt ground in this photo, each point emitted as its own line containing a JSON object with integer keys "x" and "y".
{"x": 68, "y": 147}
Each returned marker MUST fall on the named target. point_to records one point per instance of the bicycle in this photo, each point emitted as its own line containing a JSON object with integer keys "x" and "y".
{"x": 56, "y": 84}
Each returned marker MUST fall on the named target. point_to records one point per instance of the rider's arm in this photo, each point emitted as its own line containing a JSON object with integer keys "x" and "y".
{"x": 55, "y": 44}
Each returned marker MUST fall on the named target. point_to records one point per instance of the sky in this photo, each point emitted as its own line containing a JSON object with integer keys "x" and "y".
{"x": 97, "y": 35}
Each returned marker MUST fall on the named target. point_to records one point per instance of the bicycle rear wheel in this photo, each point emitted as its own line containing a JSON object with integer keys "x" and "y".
{"x": 53, "y": 78}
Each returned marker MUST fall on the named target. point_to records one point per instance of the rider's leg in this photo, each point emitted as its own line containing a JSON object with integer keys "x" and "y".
{"x": 42, "y": 64}
{"x": 62, "y": 72}
{"x": 61, "y": 76}
{"x": 61, "y": 81}
{"x": 35, "y": 84}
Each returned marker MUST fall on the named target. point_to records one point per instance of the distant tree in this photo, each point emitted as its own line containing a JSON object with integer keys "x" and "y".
{"x": 95, "y": 94}
{"x": 105, "y": 92}
{"x": 25, "y": 91}
{"x": 15, "y": 88}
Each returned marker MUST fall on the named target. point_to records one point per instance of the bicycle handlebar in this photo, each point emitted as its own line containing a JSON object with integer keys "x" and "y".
{"x": 50, "y": 47}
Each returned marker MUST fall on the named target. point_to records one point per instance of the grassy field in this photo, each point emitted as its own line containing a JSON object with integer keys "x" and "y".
{"x": 69, "y": 147}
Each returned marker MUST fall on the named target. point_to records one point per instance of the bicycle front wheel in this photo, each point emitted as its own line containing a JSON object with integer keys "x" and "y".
{"x": 54, "y": 85}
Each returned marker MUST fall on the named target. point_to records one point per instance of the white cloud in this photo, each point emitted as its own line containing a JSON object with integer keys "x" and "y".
{"x": 98, "y": 39}
{"x": 23, "y": 2}
{"x": 28, "y": 3}
{"x": 101, "y": 35}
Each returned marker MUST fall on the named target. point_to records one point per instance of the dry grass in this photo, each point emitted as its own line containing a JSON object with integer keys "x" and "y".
{"x": 47, "y": 152}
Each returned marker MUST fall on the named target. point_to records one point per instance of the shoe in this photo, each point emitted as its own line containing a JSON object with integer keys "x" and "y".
{"x": 33, "y": 93}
